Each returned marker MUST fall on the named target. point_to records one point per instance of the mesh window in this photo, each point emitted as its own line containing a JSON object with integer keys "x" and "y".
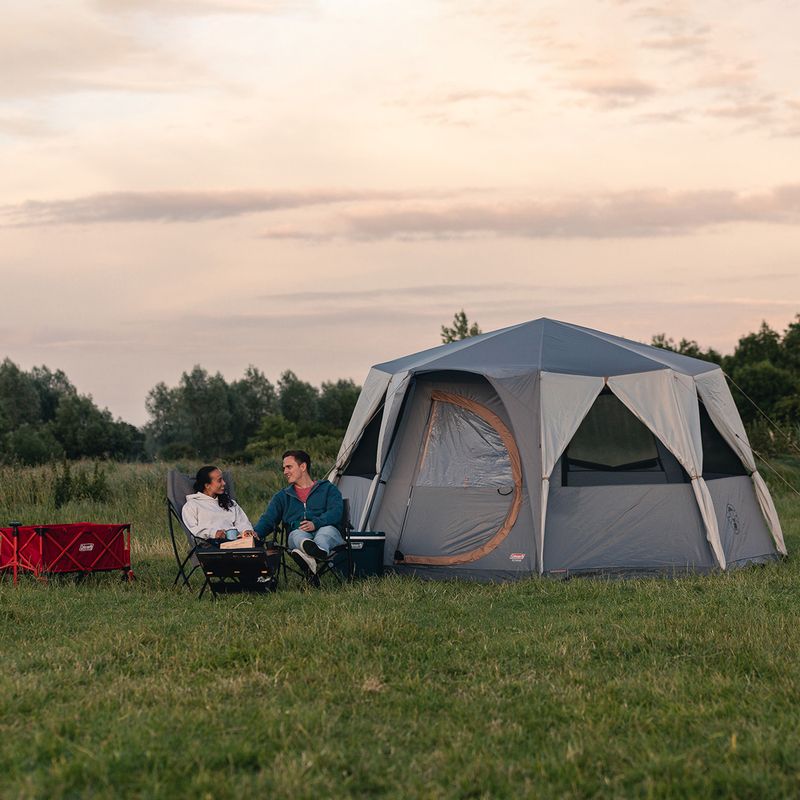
{"x": 611, "y": 438}
{"x": 462, "y": 449}
{"x": 719, "y": 460}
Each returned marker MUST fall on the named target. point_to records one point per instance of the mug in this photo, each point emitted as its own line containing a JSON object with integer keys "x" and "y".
{"x": 231, "y": 534}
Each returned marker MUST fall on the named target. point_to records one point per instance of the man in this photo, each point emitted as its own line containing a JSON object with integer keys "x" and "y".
{"x": 312, "y": 510}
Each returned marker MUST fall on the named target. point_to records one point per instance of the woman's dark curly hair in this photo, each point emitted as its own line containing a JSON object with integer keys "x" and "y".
{"x": 203, "y": 478}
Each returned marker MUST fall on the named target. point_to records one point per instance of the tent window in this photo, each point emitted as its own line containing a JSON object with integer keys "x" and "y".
{"x": 362, "y": 464}
{"x": 719, "y": 460}
{"x": 462, "y": 449}
{"x": 611, "y": 446}
{"x": 611, "y": 438}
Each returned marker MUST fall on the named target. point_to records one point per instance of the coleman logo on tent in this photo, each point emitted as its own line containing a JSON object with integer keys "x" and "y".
{"x": 86, "y": 547}
{"x": 732, "y": 519}
{"x": 517, "y": 557}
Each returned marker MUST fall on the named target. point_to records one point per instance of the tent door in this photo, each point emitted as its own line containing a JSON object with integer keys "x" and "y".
{"x": 467, "y": 486}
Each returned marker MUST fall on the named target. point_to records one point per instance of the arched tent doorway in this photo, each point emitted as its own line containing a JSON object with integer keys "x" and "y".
{"x": 453, "y": 495}
{"x": 467, "y": 487}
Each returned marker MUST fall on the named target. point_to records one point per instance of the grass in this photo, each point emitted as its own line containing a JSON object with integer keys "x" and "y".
{"x": 393, "y": 687}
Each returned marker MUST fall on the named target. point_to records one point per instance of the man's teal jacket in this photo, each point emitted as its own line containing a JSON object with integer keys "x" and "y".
{"x": 324, "y": 507}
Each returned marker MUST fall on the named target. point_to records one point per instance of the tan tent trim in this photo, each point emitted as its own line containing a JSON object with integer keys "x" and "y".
{"x": 516, "y": 470}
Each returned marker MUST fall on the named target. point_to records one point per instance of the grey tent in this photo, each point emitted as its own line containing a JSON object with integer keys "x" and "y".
{"x": 549, "y": 448}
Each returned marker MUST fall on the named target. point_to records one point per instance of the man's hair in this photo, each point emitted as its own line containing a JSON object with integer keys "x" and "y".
{"x": 300, "y": 456}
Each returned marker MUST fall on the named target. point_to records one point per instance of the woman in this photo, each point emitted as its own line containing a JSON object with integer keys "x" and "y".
{"x": 210, "y": 512}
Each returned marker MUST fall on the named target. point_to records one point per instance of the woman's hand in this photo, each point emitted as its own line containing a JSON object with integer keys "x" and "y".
{"x": 219, "y": 535}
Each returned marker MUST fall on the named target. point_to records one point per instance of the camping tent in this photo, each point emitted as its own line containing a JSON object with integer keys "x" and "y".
{"x": 551, "y": 448}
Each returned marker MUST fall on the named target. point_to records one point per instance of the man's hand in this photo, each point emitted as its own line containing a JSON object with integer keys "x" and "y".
{"x": 219, "y": 535}
{"x": 308, "y": 526}
{"x": 249, "y": 534}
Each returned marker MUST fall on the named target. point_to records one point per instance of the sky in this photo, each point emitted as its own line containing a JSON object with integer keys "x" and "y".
{"x": 320, "y": 185}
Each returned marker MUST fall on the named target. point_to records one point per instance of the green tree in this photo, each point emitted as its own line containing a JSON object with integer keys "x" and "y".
{"x": 755, "y": 348}
{"x": 204, "y": 416}
{"x": 51, "y": 387}
{"x": 766, "y": 385}
{"x": 83, "y": 429}
{"x": 19, "y": 399}
{"x": 686, "y": 347}
{"x": 128, "y": 441}
{"x": 790, "y": 346}
{"x": 32, "y": 444}
{"x": 297, "y": 399}
{"x": 204, "y": 401}
{"x": 168, "y": 424}
{"x": 251, "y": 398}
{"x": 42, "y": 417}
{"x": 275, "y": 435}
{"x": 461, "y": 329}
{"x": 336, "y": 403}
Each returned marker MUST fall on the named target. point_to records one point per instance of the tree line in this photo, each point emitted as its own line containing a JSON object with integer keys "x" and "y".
{"x": 43, "y": 418}
{"x": 205, "y": 416}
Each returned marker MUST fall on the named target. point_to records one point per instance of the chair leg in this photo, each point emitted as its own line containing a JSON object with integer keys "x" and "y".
{"x": 182, "y": 571}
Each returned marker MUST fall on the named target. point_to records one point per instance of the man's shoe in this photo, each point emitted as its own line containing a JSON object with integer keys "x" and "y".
{"x": 305, "y": 562}
{"x": 314, "y": 550}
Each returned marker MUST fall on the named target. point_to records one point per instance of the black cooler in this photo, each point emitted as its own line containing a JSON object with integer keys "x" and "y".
{"x": 367, "y": 550}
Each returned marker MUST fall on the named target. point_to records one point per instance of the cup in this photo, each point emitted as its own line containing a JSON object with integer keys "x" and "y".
{"x": 231, "y": 534}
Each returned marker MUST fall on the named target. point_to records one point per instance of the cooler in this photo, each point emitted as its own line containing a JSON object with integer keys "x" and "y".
{"x": 367, "y": 550}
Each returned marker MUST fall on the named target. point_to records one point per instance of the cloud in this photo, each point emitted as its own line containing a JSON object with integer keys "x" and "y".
{"x": 479, "y": 95}
{"x": 23, "y": 125}
{"x": 632, "y": 214}
{"x": 752, "y": 111}
{"x": 670, "y": 117}
{"x": 677, "y": 42}
{"x": 373, "y": 215}
{"x": 172, "y": 206}
{"x": 49, "y": 49}
{"x": 731, "y": 76}
{"x": 617, "y": 92}
{"x": 465, "y": 106}
{"x": 412, "y": 294}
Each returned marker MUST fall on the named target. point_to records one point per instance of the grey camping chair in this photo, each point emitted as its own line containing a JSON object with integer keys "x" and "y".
{"x": 336, "y": 568}
{"x": 178, "y": 486}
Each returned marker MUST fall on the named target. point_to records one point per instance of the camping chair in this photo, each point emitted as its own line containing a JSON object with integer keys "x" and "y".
{"x": 336, "y": 568}
{"x": 178, "y": 486}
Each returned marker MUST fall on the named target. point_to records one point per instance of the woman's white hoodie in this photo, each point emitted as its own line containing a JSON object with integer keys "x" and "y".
{"x": 204, "y": 516}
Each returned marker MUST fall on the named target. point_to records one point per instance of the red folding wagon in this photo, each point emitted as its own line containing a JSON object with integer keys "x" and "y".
{"x": 78, "y": 547}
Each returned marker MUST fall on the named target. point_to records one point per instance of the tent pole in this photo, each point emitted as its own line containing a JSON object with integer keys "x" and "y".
{"x": 373, "y": 490}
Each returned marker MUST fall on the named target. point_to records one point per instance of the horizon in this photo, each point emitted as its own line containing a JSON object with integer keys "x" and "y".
{"x": 274, "y": 379}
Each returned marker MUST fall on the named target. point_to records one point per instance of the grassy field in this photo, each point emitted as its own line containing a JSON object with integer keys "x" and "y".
{"x": 391, "y": 688}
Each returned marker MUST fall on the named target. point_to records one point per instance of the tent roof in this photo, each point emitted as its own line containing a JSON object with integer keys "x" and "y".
{"x": 549, "y": 345}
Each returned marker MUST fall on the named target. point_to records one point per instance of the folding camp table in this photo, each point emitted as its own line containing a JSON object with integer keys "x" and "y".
{"x": 79, "y": 547}
{"x": 247, "y": 569}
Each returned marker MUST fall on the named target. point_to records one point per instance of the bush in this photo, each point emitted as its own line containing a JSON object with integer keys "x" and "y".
{"x": 78, "y": 485}
{"x": 768, "y": 442}
{"x": 31, "y": 445}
